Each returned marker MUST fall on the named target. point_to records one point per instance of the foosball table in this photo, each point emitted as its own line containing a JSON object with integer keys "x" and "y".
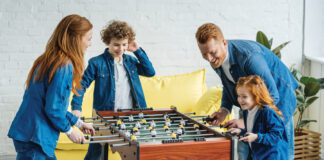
{"x": 158, "y": 134}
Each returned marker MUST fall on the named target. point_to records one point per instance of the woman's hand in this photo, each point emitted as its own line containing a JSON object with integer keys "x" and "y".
{"x": 76, "y": 137}
{"x": 87, "y": 129}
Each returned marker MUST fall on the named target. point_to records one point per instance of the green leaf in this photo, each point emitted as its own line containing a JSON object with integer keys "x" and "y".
{"x": 312, "y": 86}
{"x": 277, "y": 49}
{"x": 302, "y": 123}
{"x": 310, "y": 101}
{"x": 270, "y": 42}
{"x": 296, "y": 73}
{"x": 321, "y": 81}
{"x": 300, "y": 98}
{"x": 262, "y": 38}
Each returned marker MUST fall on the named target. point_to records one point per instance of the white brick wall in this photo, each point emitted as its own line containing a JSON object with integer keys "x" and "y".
{"x": 165, "y": 29}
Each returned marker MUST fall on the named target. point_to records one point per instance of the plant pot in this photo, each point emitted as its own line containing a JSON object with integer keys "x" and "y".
{"x": 307, "y": 144}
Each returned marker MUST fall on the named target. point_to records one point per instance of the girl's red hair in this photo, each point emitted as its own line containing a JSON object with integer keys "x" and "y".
{"x": 256, "y": 86}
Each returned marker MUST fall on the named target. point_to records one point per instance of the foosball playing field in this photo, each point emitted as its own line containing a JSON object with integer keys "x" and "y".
{"x": 159, "y": 134}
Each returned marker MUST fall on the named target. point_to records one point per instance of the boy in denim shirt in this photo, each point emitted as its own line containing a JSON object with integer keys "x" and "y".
{"x": 116, "y": 76}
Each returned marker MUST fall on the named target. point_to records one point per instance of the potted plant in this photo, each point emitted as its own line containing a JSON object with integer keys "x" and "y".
{"x": 307, "y": 143}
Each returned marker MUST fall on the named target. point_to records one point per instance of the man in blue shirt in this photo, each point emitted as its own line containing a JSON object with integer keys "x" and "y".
{"x": 232, "y": 59}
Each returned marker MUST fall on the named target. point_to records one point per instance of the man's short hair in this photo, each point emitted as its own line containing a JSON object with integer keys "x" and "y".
{"x": 119, "y": 30}
{"x": 208, "y": 31}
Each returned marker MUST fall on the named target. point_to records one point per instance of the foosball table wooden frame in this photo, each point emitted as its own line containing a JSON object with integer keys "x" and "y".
{"x": 210, "y": 145}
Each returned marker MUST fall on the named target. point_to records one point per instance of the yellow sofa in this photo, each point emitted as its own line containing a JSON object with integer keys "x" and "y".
{"x": 188, "y": 92}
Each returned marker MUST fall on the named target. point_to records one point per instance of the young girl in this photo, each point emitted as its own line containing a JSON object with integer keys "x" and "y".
{"x": 43, "y": 112}
{"x": 264, "y": 129}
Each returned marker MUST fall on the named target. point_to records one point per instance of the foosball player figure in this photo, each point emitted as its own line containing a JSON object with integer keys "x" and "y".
{"x": 150, "y": 128}
{"x": 153, "y": 132}
{"x": 153, "y": 124}
{"x": 179, "y": 131}
{"x": 197, "y": 130}
{"x": 182, "y": 122}
{"x": 122, "y": 126}
{"x": 138, "y": 125}
{"x": 143, "y": 121}
{"x": 196, "y": 126}
{"x": 165, "y": 116}
{"x": 135, "y": 130}
{"x": 119, "y": 122}
{"x": 133, "y": 137}
{"x": 166, "y": 128}
{"x": 131, "y": 118}
{"x": 173, "y": 135}
{"x": 168, "y": 122}
{"x": 141, "y": 115}
{"x": 127, "y": 134}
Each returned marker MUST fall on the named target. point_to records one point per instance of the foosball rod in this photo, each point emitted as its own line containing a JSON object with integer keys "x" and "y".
{"x": 94, "y": 137}
{"x": 102, "y": 141}
{"x": 136, "y": 116}
{"x": 148, "y": 115}
{"x": 181, "y": 136}
{"x": 132, "y": 123}
{"x": 163, "y": 133}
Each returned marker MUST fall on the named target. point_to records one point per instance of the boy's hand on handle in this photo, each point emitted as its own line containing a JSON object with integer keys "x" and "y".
{"x": 77, "y": 113}
{"x": 249, "y": 137}
{"x": 87, "y": 129}
{"x": 76, "y": 137}
{"x": 220, "y": 116}
{"x": 132, "y": 46}
{"x": 235, "y": 123}
{"x": 236, "y": 131}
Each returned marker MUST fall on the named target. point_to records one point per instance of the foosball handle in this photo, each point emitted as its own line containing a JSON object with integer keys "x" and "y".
{"x": 208, "y": 119}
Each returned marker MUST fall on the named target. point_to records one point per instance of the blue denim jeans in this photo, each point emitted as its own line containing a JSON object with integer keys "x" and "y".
{"x": 290, "y": 136}
{"x": 94, "y": 152}
{"x": 30, "y": 151}
{"x": 243, "y": 148}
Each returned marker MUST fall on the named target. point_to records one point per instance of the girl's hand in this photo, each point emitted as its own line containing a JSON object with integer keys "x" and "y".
{"x": 76, "y": 137}
{"x": 87, "y": 129}
{"x": 77, "y": 113}
{"x": 132, "y": 46}
{"x": 236, "y": 131}
{"x": 250, "y": 137}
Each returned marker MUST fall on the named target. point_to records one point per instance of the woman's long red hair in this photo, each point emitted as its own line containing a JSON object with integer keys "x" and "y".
{"x": 256, "y": 86}
{"x": 63, "y": 46}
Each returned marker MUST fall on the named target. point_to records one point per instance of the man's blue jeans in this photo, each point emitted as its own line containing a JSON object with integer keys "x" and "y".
{"x": 30, "y": 151}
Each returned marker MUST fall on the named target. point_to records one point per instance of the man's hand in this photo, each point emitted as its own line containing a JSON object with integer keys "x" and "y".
{"x": 249, "y": 137}
{"x": 235, "y": 123}
{"x": 76, "y": 137}
{"x": 87, "y": 129}
{"x": 132, "y": 46}
{"x": 77, "y": 113}
{"x": 220, "y": 116}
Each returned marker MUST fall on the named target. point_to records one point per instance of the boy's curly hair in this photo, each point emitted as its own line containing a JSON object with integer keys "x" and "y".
{"x": 119, "y": 30}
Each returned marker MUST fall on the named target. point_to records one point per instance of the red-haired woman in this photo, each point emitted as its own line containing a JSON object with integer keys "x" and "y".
{"x": 43, "y": 112}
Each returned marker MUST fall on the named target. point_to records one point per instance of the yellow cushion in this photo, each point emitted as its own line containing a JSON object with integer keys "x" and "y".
{"x": 182, "y": 90}
{"x": 210, "y": 102}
